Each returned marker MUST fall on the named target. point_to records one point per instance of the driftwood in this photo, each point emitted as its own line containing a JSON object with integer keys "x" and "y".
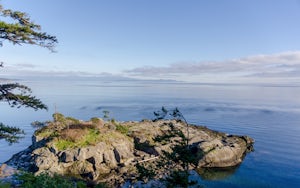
{"x": 148, "y": 159}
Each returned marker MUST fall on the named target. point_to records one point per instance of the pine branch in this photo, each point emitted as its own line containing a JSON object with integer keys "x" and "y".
{"x": 24, "y": 31}
{"x": 18, "y": 95}
{"x": 10, "y": 134}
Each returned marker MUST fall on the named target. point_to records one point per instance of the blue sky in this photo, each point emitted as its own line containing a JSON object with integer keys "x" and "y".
{"x": 191, "y": 40}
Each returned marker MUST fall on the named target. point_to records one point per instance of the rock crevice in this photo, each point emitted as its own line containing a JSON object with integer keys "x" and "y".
{"x": 115, "y": 153}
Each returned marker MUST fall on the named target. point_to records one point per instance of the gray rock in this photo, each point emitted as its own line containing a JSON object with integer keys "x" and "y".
{"x": 85, "y": 153}
{"x": 227, "y": 152}
{"x": 206, "y": 146}
{"x": 44, "y": 159}
{"x": 123, "y": 151}
{"x": 112, "y": 158}
{"x": 80, "y": 167}
{"x": 68, "y": 156}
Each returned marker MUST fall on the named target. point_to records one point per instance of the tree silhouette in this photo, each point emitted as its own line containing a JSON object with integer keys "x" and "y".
{"x": 175, "y": 163}
{"x": 21, "y": 30}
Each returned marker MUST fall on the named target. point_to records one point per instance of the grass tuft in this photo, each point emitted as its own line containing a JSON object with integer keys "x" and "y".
{"x": 90, "y": 137}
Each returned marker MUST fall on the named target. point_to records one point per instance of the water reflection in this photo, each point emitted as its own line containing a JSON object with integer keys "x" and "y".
{"x": 216, "y": 173}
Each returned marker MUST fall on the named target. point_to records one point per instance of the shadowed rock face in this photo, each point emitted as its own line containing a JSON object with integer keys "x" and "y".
{"x": 113, "y": 158}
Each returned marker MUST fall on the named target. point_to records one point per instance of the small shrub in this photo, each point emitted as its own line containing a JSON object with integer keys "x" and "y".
{"x": 82, "y": 126}
{"x": 102, "y": 185}
{"x": 177, "y": 178}
{"x": 45, "y": 181}
{"x": 73, "y": 135}
{"x": 97, "y": 122}
{"x": 106, "y": 114}
{"x": 4, "y": 185}
{"x": 46, "y": 132}
{"x": 112, "y": 126}
{"x": 10, "y": 134}
{"x": 81, "y": 184}
{"x": 58, "y": 117}
{"x": 38, "y": 124}
{"x": 62, "y": 144}
{"x": 71, "y": 120}
{"x": 145, "y": 174}
{"x": 90, "y": 137}
{"x": 122, "y": 129}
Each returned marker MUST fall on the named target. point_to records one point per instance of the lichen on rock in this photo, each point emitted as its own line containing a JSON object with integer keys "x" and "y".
{"x": 102, "y": 153}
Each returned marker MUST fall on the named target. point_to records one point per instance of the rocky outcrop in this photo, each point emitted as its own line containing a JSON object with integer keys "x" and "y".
{"x": 115, "y": 152}
{"x": 227, "y": 152}
{"x": 6, "y": 171}
{"x": 90, "y": 162}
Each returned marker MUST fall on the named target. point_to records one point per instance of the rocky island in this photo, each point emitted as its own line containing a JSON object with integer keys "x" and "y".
{"x": 109, "y": 151}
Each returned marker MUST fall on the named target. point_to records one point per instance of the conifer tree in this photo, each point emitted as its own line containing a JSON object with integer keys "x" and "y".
{"x": 20, "y": 30}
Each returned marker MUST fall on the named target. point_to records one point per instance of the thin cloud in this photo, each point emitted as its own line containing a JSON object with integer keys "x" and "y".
{"x": 285, "y": 64}
{"x": 56, "y": 75}
{"x": 25, "y": 65}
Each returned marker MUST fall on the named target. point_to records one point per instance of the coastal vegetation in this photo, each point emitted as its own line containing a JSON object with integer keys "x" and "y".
{"x": 20, "y": 29}
{"x": 68, "y": 152}
{"x": 67, "y": 132}
{"x": 115, "y": 152}
{"x": 44, "y": 180}
{"x": 176, "y": 161}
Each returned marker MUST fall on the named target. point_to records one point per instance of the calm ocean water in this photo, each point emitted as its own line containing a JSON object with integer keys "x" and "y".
{"x": 268, "y": 113}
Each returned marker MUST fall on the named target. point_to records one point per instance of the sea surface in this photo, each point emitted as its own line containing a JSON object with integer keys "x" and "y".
{"x": 269, "y": 113}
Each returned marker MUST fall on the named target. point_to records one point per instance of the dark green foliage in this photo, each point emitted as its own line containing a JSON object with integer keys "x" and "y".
{"x": 65, "y": 122}
{"x": 4, "y": 184}
{"x": 18, "y": 95}
{"x": 102, "y": 185}
{"x": 23, "y": 30}
{"x": 177, "y": 178}
{"x": 45, "y": 181}
{"x": 174, "y": 163}
{"x": 10, "y": 134}
{"x": 168, "y": 114}
{"x": 169, "y": 134}
{"x": 181, "y": 153}
{"x": 81, "y": 184}
{"x": 38, "y": 124}
{"x": 106, "y": 114}
{"x": 58, "y": 117}
{"x": 145, "y": 174}
{"x": 71, "y": 120}
{"x": 161, "y": 114}
{"x": 172, "y": 114}
{"x": 178, "y": 160}
{"x": 28, "y": 180}
{"x": 122, "y": 129}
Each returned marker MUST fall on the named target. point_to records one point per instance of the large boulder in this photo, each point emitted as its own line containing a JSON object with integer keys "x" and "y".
{"x": 229, "y": 151}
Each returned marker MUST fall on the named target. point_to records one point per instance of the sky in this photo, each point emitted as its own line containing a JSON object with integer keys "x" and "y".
{"x": 185, "y": 40}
